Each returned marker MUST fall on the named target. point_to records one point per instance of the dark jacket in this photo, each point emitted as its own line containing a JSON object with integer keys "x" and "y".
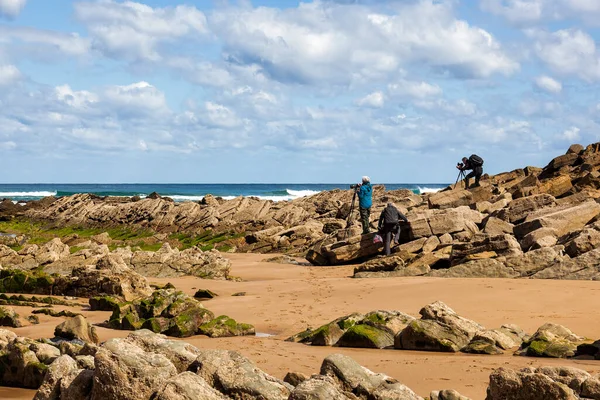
{"x": 390, "y": 215}
{"x": 467, "y": 166}
{"x": 365, "y": 195}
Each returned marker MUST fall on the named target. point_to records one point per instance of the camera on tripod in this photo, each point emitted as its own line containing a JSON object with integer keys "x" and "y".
{"x": 459, "y": 165}
{"x": 355, "y": 186}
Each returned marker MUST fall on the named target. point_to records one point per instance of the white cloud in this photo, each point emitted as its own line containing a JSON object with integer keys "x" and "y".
{"x": 413, "y": 89}
{"x": 134, "y": 31}
{"x": 219, "y": 116}
{"x": 137, "y": 98}
{"x": 569, "y": 52}
{"x": 523, "y": 12}
{"x": 11, "y": 8}
{"x": 516, "y": 11}
{"x": 351, "y": 43}
{"x": 9, "y": 74}
{"x": 76, "y": 99}
{"x": 548, "y": 84}
{"x": 54, "y": 43}
{"x": 375, "y": 100}
{"x": 458, "y": 107}
{"x": 571, "y": 134}
{"x": 202, "y": 73}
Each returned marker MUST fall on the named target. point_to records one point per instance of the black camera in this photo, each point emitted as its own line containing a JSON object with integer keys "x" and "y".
{"x": 459, "y": 165}
{"x": 355, "y": 186}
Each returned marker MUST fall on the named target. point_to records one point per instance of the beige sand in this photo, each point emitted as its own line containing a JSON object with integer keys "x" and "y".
{"x": 285, "y": 299}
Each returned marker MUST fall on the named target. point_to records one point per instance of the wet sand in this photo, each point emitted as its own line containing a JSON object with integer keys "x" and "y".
{"x": 282, "y": 300}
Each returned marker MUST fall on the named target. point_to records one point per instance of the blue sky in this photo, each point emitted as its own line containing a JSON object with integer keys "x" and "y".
{"x": 286, "y": 91}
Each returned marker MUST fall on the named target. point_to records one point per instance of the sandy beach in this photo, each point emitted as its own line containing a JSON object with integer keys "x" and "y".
{"x": 283, "y": 299}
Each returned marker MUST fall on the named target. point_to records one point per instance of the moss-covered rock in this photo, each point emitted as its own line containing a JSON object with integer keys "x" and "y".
{"x": 482, "y": 347}
{"x": 187, "y": 322}
{"x": 156, "y": 325}
{"x": 104, "y": 303}
{"x": 174, "y": 313}
{"x": 223, "y": 326}
{"x": 367, "y": 336}
{"x": 8, "y": 317}
{"x": 386, "y": 323}
{"x": 20, "y": 281}
{"x": 431, "y": 335}
{"x": 551, "y": 340}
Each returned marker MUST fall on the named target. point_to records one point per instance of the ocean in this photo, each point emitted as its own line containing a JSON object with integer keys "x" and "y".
{"x": 189, "y": 192}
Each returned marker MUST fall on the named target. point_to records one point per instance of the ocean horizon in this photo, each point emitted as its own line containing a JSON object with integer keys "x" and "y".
{"x": 191, "y": 191}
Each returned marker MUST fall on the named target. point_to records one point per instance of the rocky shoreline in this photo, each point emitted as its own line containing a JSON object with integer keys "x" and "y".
{"x": 533, "y": 223}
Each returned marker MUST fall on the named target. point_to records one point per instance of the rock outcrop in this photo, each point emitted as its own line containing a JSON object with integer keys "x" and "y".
{"x": 561, "y": 383}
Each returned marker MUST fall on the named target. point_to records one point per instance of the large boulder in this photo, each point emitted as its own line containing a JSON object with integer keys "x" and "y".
{"x": 526, "y": 385}
{"x": 50, "y": 388}
{"x": 450, "y": 199}
{"x": 318, "y": 387}
{"x": 540, "y": 238}
{"x": 496, "y": 226}
{"x": 376, "y": 330}
{"x": 180, "y": 353}
{"x": 563, "y": 221}
{"x": 453, "y": 220}
{"x": 556, "y": 186}
{"x": 583, "y": 267}
{"x": 502, "y": 245}
{"x": 77, "y": 328}
{"x": 534, "y": 261}
{"x": 494, "y": 341}
{"x": 354, "y": 378}
{"x": 166, "y": 311}
{"x": 9, "y": 317}
{"x": 224, "y": 326}
{"x": 584, "y": 241}
{"x": 551, "y": 340}
{"x": 237, "y": 377}
{"x": 124, "y": 371}
{"x": 187, "y": 386}
{"x": 518, "y": 209}
{"x": 439, "y": 329}
{"x": 354, "y": 248}
{"x": 22, "y": 363}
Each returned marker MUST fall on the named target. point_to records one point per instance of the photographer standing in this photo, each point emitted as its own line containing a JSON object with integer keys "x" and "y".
{"x": 365, "y": 201}
{"x": 389, "y": 223}
{"x": 474, "y": 163}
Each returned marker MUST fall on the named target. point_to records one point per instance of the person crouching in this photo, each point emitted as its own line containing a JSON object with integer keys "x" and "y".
{"x": 389, "y": 223}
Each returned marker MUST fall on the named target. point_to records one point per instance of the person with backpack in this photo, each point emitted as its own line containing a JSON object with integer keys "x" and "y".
{"x": 474, "y": 163}
{"x": 365, "y": 201}
{"x": 389, "y": 222}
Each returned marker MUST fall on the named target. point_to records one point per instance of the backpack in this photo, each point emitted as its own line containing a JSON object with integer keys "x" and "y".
{"x": 475, "y": 160}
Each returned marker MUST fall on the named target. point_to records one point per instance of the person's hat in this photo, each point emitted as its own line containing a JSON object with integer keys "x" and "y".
{"x": 366, "y": 179}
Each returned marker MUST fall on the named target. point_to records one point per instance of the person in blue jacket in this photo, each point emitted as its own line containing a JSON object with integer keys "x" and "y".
{"x": 365, "y": 201}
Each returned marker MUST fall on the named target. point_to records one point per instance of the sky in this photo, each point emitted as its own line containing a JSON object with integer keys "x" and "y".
{"x": 266, "y": 91}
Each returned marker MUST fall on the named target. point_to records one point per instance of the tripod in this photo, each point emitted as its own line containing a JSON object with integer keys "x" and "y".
{"x": 348, "y": 221}
{"x": 461, "y": 176}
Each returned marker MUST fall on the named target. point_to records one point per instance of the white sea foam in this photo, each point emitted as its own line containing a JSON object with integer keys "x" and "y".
{"x": 177, "y": 197}
{"x": 301, "y": 193}
{"x": 26, "y": 194}
{"x": 428, "y": 190}
{"x": 291, "y": 195}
